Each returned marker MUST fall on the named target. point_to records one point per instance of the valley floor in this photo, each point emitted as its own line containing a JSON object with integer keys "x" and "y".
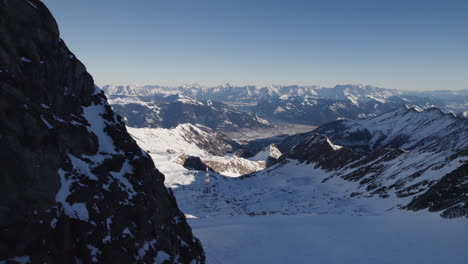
{"x": 333, "y": 239}
{"x": 248, "y": 134}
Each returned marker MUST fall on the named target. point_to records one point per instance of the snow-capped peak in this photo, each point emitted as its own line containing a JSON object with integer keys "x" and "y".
{"x": 407, "y": 128}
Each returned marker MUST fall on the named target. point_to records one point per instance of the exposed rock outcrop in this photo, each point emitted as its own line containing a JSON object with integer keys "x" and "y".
{"x": 320, "y": 150}
{"x": 446, "y": 195}
{"x": 270, "y": 155}
{"x": 75, "y": 187}
{"x": 235, "y": 166}
{"x": 192, "y": 163}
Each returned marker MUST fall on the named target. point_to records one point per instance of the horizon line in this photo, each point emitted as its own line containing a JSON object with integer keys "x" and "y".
{"x": 231, "y": 84}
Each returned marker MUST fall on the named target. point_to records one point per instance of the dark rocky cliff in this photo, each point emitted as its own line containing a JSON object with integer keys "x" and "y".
{"x": 320, "y": 150}
{"x": 74, "y": 186}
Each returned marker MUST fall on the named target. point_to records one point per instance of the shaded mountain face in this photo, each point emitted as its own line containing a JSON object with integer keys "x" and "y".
{"x": 405, "y": 127}
{"x": 450, "y": 192}
{"x": 170, "y": 111}
{"x": 417, "y": 156}
{"x": 75, "y": 187}
{"x": 320, "y": 150}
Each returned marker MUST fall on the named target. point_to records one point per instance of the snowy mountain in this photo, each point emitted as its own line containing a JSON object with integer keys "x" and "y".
{"x": 79, "y": 186}
{"x": 171, "y": 147}
{"x": 447, "y": 100}
{"x": 406, "y": 128}
{"x": 316, "y": 175}
{"x": 187, "y": 139}
{"x": 316, "y": 180}
{"x": 170, "y": 111}
{"x": 76, "y": 188}
{"x": 253, "y": 94}
{"x": 352, "y": 102}
{"x": 235, "y": 166}
{"x": 316, "y": 111}
{"x": 270, "y": 155}
{"x": 407, "y": 153}
{"x": 306, "y": 104}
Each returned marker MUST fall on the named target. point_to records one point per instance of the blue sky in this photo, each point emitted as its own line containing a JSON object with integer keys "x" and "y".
{"x": 417, "y": 45}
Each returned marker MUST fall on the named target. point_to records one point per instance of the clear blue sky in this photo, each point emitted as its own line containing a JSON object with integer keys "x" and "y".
{"x": 393, "y": 44}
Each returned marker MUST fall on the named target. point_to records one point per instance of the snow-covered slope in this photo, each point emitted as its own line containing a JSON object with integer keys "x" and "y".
{"x": 332, "y": 239}
{"x": 166, "y": 146}
{"x": 270, "y": 152}
{"x": 235, "y": 166}
{"x": 405, "y": 128}
{"x": 319, "y": 175}
{"x": 404, "y": 153}
{"x": 319, "y": 182}
{"x": 315, "y": 212}
{"x": 185, "y": 139}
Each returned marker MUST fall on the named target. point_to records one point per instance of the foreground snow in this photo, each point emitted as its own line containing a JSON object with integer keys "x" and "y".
{"x": 405, "y": 238}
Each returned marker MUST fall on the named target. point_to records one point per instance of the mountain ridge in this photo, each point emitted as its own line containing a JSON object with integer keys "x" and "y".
{"x": 387, "y": 157}
{"x": 311, "y": 105}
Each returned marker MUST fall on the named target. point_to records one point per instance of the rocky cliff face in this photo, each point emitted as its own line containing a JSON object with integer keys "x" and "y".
{"x": 75, "y": 187}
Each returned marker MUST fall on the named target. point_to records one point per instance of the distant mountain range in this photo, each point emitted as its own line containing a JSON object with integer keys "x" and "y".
{"x": 172, "y": 110}
{"x": 291, "y": 104}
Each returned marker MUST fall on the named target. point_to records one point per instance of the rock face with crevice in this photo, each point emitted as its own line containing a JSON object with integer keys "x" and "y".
{"x": 74, "y": 186}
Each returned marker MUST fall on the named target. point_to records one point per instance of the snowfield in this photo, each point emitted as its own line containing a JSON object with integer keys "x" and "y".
{"x": 327, "y": 239}
{"x": 287, "y": 214}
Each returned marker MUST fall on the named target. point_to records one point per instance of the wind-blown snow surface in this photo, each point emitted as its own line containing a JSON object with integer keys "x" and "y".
{"x": 288, "y": 214}
{"x": 404, "y": 239}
